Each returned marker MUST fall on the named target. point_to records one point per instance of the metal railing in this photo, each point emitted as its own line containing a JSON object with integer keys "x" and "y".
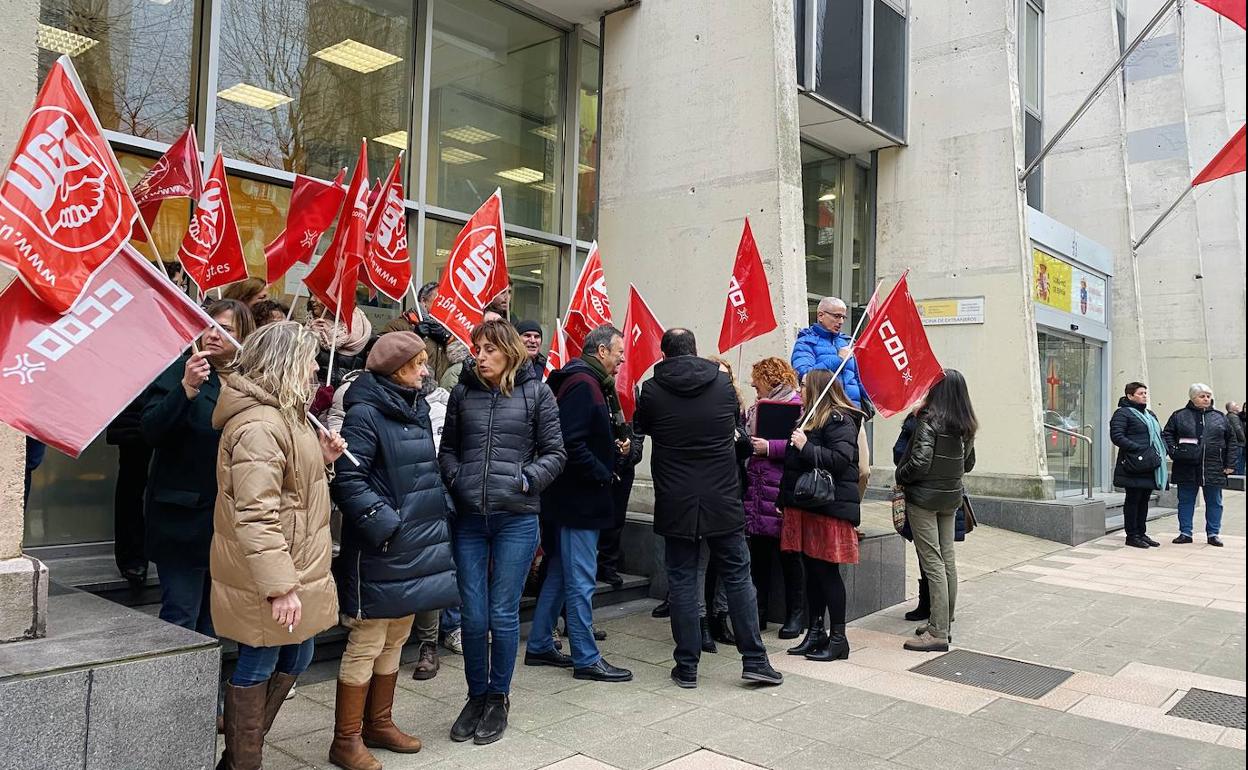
{"x": 1087, "y": 467}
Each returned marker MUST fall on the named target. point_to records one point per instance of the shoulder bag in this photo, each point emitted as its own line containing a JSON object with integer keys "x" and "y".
{"x": 1139, "y": 463}
{"x": 899, "y": 510}
{"x": 814, "y": 489}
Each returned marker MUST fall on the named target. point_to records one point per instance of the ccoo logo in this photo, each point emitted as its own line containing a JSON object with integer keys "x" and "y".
{"x": 60, "y": 178}
{"x": 473, "y": 270}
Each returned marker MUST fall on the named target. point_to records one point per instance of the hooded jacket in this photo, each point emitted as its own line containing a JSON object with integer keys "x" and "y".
{"x": 500, "y": 452}
{"x": 396, "y": 541}
{"x": 271, "y": 521}
{"x": 817, "y": 348}
{"x": 689, "y": 411}
{"x": 1214, "y": 451}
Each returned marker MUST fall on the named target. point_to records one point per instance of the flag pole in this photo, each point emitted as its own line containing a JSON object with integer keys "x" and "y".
{"x": 333, "y": 345}
{"x": 420, "y": 316}
{"x": 870, "y": 303}
{"x": 1165, "y": 214}
{"x": 294, "y": 300}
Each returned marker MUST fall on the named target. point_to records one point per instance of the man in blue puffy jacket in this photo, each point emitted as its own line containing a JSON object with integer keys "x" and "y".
{"x": 822, "y": 346}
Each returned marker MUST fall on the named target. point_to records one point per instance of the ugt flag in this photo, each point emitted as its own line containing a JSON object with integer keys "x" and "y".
{"x": 62, "y": 377}
{"x": 748, "y": 313}
{"x": 386, "y": 263}
{"x": 211, "y": 251}
{"x": 313, "y": 205}
{"x": 895, "y": 362}
{"x": 590, "y": 306}
{"x": 642, "y": 335}
{"x": 558, "y": 355}
{"x": 65, "y": 208}
{"x": 475, "y": 273}
{"x": 176, "y": 174}
{"x": 334, "y": 278}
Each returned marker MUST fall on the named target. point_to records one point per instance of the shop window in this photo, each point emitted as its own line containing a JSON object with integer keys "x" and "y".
{"x": 133, "y": 57}
{"x": 888, "y": 67}
{"x": 838, "y": 53}
{"x": 821, "y": 199}
{"x": 863, "y": 241}
{"x": 495, "y": 117}
{"x": 587, "y": 145}
{"x": 301, "y": 81}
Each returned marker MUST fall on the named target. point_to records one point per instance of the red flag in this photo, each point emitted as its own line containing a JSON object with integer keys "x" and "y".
{"x": 642, "y": 335}
{"x": 334, "y": 278}
{"x": 386, "y": 264}
{"x": 1229, "y": 160}
{"x": 590, "y": 306}
{"x": 313, "y": 205}
{"x": 748, "y": 313}
{"x": 211, "y": 251}
{"x": 558, "y": 355}
{"x": 65, "y": 208}
{"x": 176, "y": 174}
{"x": 62, "y": 377}
{"x": 895, "y": 362}
{"x": 475, "y": 273}
{"x": 1231, "y": 9}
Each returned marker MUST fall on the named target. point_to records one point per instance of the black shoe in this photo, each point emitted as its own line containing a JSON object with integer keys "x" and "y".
{"x": 602, "y": 671}
{"x": 661, "y": 610}
{"x": 1182, "y": 540}
{"x": 611, "y": 578}
{"x": 599, "y": 634}
{"x": 815, "y": 636}
{"x": 721, "y": 629}
{"x": 708, "y": 641}
{"x": 1215, "y": 541}
{"x": 494, "y": 721}
{"x": 836, "y": 648}
{"x": 762, "y": 673}
{"x": 466, "y": 725}
{"x": 552, "y": 658}
{"x": 1151, "y": 542}
{"x": 1135, "y": 541}
{"x": 685, "y": 679}
{"x": 762, "y": 620}
{"x": 793, "y": 625}
{"x": 924, "y": 610}
{"x": 135, "y": 576}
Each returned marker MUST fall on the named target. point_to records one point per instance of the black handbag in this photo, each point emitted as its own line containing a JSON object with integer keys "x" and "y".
{"x": 1138, "y": 463}
{"x": 815, "y": 489}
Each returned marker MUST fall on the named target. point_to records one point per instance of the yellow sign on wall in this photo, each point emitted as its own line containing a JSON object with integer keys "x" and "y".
{"x": 1050, "y": 280}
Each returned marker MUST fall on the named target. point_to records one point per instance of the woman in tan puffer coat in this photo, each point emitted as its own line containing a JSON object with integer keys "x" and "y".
{"x": 272, "y": 590}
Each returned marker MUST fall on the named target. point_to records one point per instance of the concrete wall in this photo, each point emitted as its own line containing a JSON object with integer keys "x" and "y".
{"x": 950, "y": 210}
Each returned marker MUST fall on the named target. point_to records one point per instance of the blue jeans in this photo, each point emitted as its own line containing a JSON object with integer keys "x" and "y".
{"x": 184, "y": 597}
{"x": 1187, "y": 508}
{"x": 257, "y": 664}
{"x": 493, "y": 553}
{"x": 571, "y": 576}
{"x": 449, "y": 620}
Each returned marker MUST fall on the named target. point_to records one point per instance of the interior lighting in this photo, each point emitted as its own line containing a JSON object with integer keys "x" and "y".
{"x": 470, "y": 135}
{"x": 522, "y": 174}
{"x": 63, "y": 41}
{"x": 828, "y": 197}
{"x": 457, "y": 156}
{"x": 547, "y": 187}
{"x": 582, "y": 168}
{"x": 394, "y": 139}
{"x": 549, "y": 133}
{"x": 254, "y": 96}
{"x": 357, "y": 56}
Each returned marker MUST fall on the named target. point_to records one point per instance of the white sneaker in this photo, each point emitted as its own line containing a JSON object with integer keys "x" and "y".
{"x": 290, "y": 694}
{"x": 454, "y": 641}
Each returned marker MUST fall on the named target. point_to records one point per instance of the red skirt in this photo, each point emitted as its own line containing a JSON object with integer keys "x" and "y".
{"x": 820, "y": 537}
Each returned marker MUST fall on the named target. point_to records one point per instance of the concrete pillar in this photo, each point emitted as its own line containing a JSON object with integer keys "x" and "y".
{"x": 951, "y": 211}
{"x": 699, "y": 130}
{"x": 23, "y": 580}
{"x": 1085, "y": 177}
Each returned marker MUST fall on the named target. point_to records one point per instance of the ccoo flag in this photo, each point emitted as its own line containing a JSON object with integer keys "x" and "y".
{"x": 642, "y": 335}
{"x": 386, "y": 263}
{"x": 475, "y": 273}
{"x": 895, "y": 362}
{"x": 313, "y": 205}
{"x": 748, "y": 313}
{"x": 334, "y": 278}
{"x": 65, "y": 208}
{"x": 1231, "y": 9}
{"x": 590, "y": 306}
{"x": 176, "y": 174}
{"x": 211, "y": 250}
{"x": 60, "y": 377}
{"x": 1229, "y": 160}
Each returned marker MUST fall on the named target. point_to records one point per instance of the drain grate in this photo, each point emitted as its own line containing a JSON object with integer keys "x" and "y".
{"x": 1012, "y": 677}
{"x": 1215, "y": 708}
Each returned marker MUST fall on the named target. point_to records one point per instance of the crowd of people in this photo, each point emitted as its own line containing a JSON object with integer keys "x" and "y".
{"x": 469, "y": 474}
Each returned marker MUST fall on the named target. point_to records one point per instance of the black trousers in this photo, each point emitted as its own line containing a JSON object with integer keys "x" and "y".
{"x": 609, "y": 550}
{"x": 730, "y": 555}
{"x": 1135, "y": 511}
{"x": 128, "y": 524}
{"x": 764, "y": 553}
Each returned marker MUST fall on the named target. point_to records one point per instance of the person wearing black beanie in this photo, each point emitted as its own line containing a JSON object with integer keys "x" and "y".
{"x": 531, "y": 333}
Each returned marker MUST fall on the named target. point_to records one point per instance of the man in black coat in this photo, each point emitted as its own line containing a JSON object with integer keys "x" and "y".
{"x": 689, "y": 410}
{"x": 578, "y": 505}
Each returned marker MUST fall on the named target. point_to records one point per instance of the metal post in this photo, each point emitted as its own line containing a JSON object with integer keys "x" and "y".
{"x": 1153, "y": 227}
{"x": 1083, "y": 108}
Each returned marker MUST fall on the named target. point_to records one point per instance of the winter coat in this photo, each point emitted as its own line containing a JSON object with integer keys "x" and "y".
{"x": 433, "y": 333}
{"x": 817, "y": 348}
{"x": 762, "y": 489}
{"x": 1215, "y": 451}
{"x": 396, "y": 538}
{"x": 899, "y": 453}
{"x": 1237, "y": 427}
{"x": 126, "y": 428}
{"x": 344, "y": 363}
{"x": 1129, "y": 433}
{"x": 580, "y": 497}
{"x": 833, "y": 447}
{"x": 271, "y": 521}
{"x": 622, "y": 489}
{"x": 932, "y": 470}
{"x": 500, "y": 452}
{"x": 689, "y": 410}
{"x": 182, "y": 479}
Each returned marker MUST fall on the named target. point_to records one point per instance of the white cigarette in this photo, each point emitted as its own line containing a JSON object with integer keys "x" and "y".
{"x": 290, "y": 629}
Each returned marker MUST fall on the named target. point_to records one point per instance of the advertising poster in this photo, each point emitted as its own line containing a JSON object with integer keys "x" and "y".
{"x": 1050, "y": 280}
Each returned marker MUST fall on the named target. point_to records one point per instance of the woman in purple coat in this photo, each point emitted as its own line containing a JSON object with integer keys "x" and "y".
{"x": 773, "y": 380}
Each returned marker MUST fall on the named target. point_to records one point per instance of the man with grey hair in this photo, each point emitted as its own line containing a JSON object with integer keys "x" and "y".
{"x": 1200, "y": 441}
{"x": 823, "y": 346}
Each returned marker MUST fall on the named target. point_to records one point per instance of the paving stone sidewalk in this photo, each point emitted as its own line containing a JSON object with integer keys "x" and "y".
{"x": 1138, "y": 629}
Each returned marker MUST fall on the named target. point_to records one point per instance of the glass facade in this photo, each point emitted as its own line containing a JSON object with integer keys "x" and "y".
{"x": 1071, "y": 384}
{"x": 1031, "y": 86}
{"x": 480, "y": 94}
{"x": 838, "y": 211}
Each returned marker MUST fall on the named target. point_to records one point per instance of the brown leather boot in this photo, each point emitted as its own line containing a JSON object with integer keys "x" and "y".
{"x": 380, "y": 732}
{"x": 244, "y": 727}
{"x": 279, "y": 685}
{"x": 347, "y": 751}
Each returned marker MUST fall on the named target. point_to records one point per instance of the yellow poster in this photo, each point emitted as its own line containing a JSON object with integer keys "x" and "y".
{"x": 1050, "y": 280}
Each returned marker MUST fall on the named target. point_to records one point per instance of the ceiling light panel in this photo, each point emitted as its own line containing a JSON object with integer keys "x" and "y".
{"x": 457, "y": 156}
{"x": 357, "y": 56}
{"x": 253, "y": 96}
{"x": 582, "y": 168}
{"x": 549, "y": 133}
{"x": 546, "y": 187}
{"x": 470, "y": 135}
{"x": 63, "y": 41}
{"x": 522, "y": 174}
{"x": 394, "y": 139}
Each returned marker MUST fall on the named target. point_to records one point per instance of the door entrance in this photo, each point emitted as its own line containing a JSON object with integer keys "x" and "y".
{"x": 1071, "y": 371}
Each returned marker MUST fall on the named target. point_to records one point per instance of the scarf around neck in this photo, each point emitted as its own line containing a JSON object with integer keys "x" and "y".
{"x": 349, "y": 343}
{"x": 607, "y": 382}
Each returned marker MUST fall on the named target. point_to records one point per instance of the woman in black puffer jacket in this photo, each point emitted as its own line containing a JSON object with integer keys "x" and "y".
{"x": 1135, "y": 431}
{"x": 396, "y": 543}
{"x": 501, "y": 447}
{"x": 1203, "y": 448}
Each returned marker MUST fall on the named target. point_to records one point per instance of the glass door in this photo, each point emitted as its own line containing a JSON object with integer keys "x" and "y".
{"x": 1071, "y": 387}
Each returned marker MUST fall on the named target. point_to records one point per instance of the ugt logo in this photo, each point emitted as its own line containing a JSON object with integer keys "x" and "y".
{"x": 597, "y": 295}
{"x": 473, "y": 273}
{"x": 390, "y": 243}
{"x": 59, "y": 178}
{"x": 206, "y": 225}
{"x": 894, "y": 347}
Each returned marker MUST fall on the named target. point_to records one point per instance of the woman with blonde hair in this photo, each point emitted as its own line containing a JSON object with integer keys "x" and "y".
{"x": 825, "y": 535}
{"x": 249, "y": 291}
{"x": 501, "y": 446}
{"x": 272, "y": 590}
